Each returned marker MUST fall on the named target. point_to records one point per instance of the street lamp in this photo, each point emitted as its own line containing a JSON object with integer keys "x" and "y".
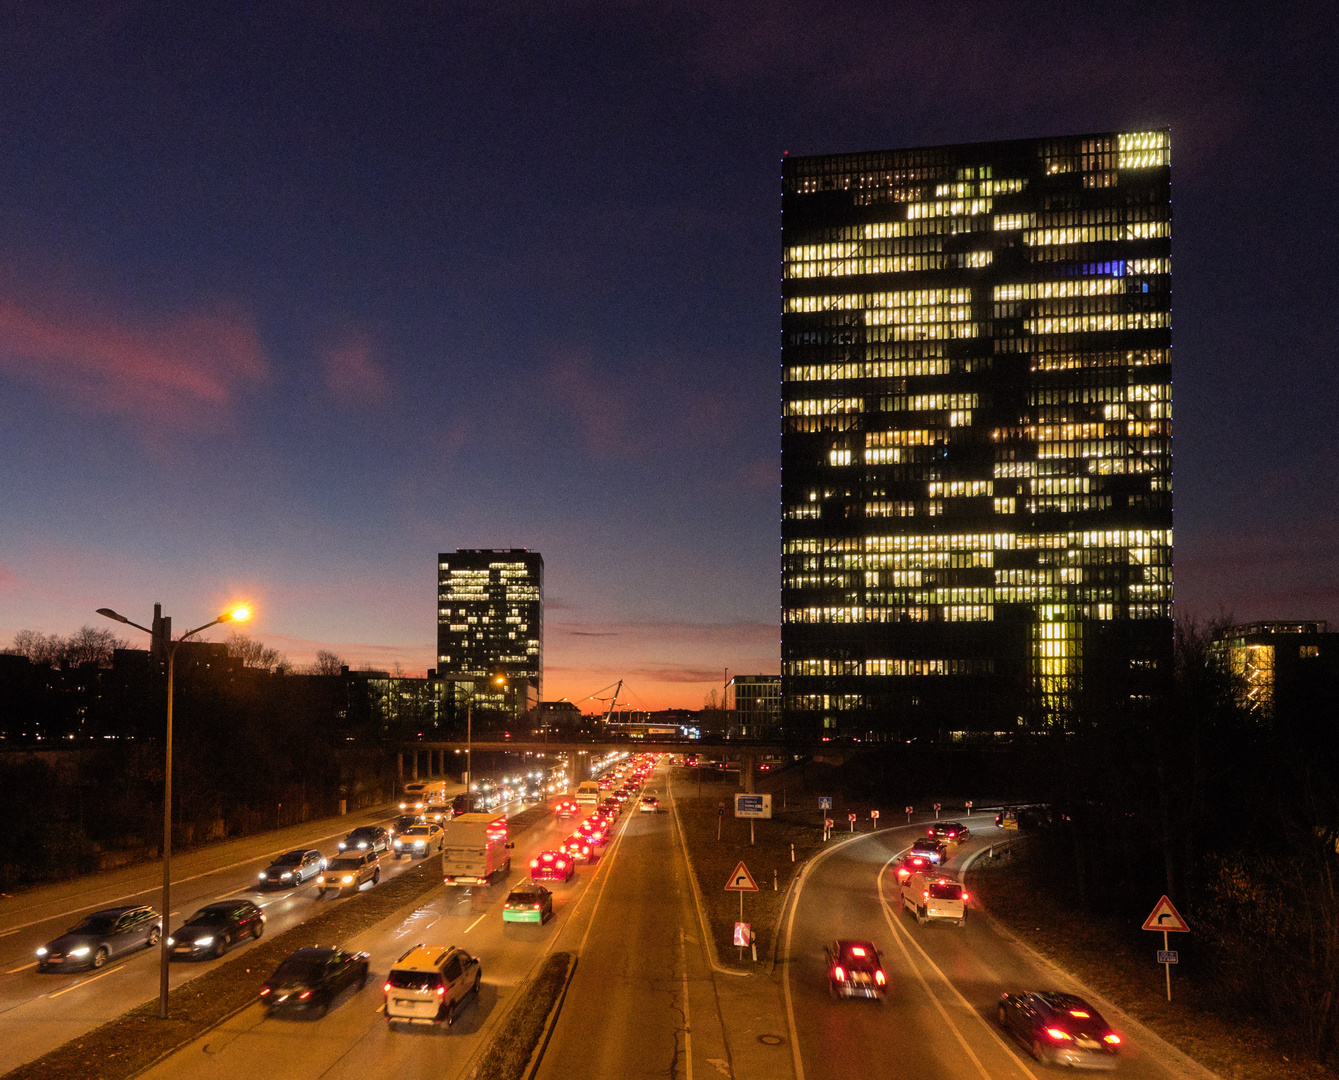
{"x": 498, "y": 680}
{"x": 236, "y": 614}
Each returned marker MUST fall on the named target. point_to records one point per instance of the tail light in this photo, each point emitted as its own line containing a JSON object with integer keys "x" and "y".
{"x": 929, "y": 832}
{"x": 926, "y": 894}
{"x": 387, "y": 988}
{"x": 1080, "y": 1013}
{"x": 264, "y": 991}
{"x": 304, "y": 995}
{"x": 839, "y": 973}
{"x": 534, "y": 863}
{"x": 964, "y": 894}
{"x": 441, "y": 991}
{"x": 536, "y": 906}
{"x": 1058, "y": 1035}
{"x": 880, "y": 977}
{"x": 1111, "y": 1038}
{"x": 562, "y": 864}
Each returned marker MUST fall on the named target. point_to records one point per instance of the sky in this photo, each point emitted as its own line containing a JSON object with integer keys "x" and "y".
{"x": 296, "y": 295}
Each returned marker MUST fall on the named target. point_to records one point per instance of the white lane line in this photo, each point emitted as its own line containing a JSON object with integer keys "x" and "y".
{"x": 25, "y": 967}
{"x": 158, "y": 887}
{"x": 243, "y": 888}
{"x": 476, "y": 922}
{"x": 900, "y": 932}
{"x": 85, "y": 982}
{"x": 687, "y": 1026}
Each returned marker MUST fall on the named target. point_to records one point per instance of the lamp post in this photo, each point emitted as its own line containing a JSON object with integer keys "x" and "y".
{"x": 498, "y": 680}
{"x": 237, "y": 614}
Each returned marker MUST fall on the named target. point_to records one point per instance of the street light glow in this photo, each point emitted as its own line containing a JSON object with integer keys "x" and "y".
{"x": 238, "y": 614}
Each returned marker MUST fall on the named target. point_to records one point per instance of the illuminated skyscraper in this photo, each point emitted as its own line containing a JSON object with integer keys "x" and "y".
{"x": 977, "y": 435}
{"x": 490, "y": 622}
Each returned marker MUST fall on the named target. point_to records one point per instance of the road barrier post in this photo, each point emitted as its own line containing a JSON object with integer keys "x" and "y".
{"x": 792, "y": 852}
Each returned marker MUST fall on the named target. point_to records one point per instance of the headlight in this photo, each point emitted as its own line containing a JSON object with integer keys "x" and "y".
{"x": 204, "y": 941}
{"x": 41, "y": 951}
{"x": 343, "y": 845}
{"x": 83, "y": 950}
{"x": 362, "y": 845}
{"x": 284, "y": 877}
{"x": 420, "y": 843}
{"x": 399, "y": 843}
{"x": 347, "y": 879}
{"x": 171, "y": 941}
{"x": 320, "y": 880}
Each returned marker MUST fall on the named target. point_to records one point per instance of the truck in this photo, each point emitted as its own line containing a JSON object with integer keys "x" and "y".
{"x": 419, "y": 794}
{"x": 475, "y": 849}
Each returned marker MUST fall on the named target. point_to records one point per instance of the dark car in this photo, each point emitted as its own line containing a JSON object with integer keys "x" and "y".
{"x": 404, "y": 821}
{"x": 949, "y": 830}
{"x": 1059, "y": 1029}
{"x": 552, "y": 866}
{"x": 312, "y": 978}
{"x": 855, "y": 970}
{"x": 293, "y": 868}
{"x": 101, "y": 936}
{"x": 366, "y": 838}
{"x": 215, "y": 928}
{"x": 934, "y": 850}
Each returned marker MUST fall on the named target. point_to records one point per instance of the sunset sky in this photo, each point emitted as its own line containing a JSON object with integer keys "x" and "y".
{"x": 294, "y": 296}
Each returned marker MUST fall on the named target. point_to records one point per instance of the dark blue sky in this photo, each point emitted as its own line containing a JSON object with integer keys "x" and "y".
{"x": 295, "y": 295}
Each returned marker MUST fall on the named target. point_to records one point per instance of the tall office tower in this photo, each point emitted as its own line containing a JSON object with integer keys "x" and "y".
{"x": 490, "y": 623}
{"x": 977, "y": 441}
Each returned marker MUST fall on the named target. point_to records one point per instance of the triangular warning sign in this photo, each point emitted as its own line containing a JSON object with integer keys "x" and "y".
{"x": 741, "y": 880}
{"x": 1166, "y": 917}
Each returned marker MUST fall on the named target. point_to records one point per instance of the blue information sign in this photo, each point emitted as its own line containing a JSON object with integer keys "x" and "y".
{"x": 825, "y": 802}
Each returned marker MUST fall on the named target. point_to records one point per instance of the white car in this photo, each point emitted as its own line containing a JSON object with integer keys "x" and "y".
{"x": 419, "y": 840}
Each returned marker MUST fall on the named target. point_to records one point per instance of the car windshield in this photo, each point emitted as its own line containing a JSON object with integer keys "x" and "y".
{"x": 418, "y": 830}
{"x": 345, "y": 864}
{"x": 524, "y": 896}
{"x": 945, "y": 890}
{"x": 289, "y": 858}
{"x": 297, "y": 969}
{"x": 95, "y": 924}
{"x": 361, "y": 834}
{"x": 414, "y": 980}
{"x": 211, "y": 916}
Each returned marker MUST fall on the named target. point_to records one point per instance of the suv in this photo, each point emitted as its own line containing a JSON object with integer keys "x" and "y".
{"x": 366, "y": 838}
{"x": 418, "y": 840}
{"x": 349, "y": 871}
{"x": 429, "y": 983}
{"x": 935, "y": 850}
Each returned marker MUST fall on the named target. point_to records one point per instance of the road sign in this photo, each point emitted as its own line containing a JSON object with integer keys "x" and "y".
{"x": 874, "y": 814}
{"x": 1166, "y": 918}
{"x": 1168, "y": 956}
{"x": 851, "y": 816}
{"x": 828, "y": 822}
{"x": 936, "y": 806}
{"x": 743, "y": 935}
{"x": 741, "y": 880}
{"x": 969, "y": 806}
{"x": 825, "y": 802}
{"x": 720, "y": 811}
{"x": 753, "y": 806}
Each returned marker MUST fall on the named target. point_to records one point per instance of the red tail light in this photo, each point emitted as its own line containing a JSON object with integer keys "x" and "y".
{"x": 1058, "y": 1035}
{"x": 304, "y": 995}
{"x": 964, "y": 894}
{"x": 1080, "y": 1013}
{"x": 880, "y": 977}
{"x": 929, "y": 832}
{"x": 1111, "y": 1038}
{"x": 839, "y": 974}
{"x": 441, "y": 991}
{"x": 387, "y": 988}
{"x": 926, "y": 894}
{"x": 264, "y": 991}
{"x": 534, "y": 863}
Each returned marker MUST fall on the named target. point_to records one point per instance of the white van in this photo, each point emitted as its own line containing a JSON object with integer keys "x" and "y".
{"x": 935, "y": 897}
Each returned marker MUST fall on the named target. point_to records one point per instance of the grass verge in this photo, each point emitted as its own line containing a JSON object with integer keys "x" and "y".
{"x": 513, "y": 1045}
{"x": 1117, "y": 961}
{"x": 124, "y": 1047}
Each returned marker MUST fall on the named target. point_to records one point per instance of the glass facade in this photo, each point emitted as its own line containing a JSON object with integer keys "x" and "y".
{"x": 490, "y": 621}
{"x": 976, "y": 435}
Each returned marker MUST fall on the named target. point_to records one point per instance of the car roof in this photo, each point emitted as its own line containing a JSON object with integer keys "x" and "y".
{"x": 424, "y": 957}
{"x": 116, "y": 912}
{"x": 222, "y": 905}
{"x": 312, "y": 952}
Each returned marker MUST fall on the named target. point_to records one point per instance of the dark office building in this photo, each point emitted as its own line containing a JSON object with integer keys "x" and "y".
{"x": 977, "y": 441}
{"x": 490, "y": 622}
{"x": 1283, "y": 670}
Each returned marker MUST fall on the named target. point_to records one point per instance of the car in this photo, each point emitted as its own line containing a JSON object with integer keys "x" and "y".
{"x": 99, "y": 937}
{"x": 1059, "y": 1029}
{"x": 349, "y": 871}
{"x": 528, "y": 902}
{"x": 293, "y": 868}
{"x": 429, "y": 983}
{"x": 932, "y": 897}
{"x": 950, "y": 831}
{"x": 552, "y": 866}
{"x": 609, "y": 806}
{"x": 593, "y": 828}
{"x": 366, "y": 838}
{"x": 418, "y": 840}
{"x": 215, "y": 928}
{"x": 579, "y": 848}
{"x": 855, "y": 970}
{"x": 607, "y": 815}
{"x": 404, "y": 821}
{"x": 911, "y": 864}
{"x": 566, "y": 808}
{"x": 649, "y": 804}
{"x": 935, "y": 850}
{"x": 311, "y": 978}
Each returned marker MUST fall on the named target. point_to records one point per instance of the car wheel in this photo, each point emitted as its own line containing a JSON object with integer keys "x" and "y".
{"x": 920, "y": 915}
{"x": 376, "y": 877}
{"x": 325, "y": 1008}
{"x": 223, "y": 944}
{"x": 475, "y": 989}
{"x": 153, "y": 938}
{"x": 1002, "y": 1017}
{"x": 101, "y": 956}
{"x": 1039, "y": 1052}
{"x": 450, "y": 1013}
{"x": 320, "y": 894}
{"x": 257, "y": 929}
{"x": 832, "y": 990}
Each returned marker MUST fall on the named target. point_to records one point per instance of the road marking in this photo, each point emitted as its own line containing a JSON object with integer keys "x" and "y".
{"x": 25, "y": 967}
{"x": 85, "y": 982}
{"x": 244, "y": 888}
{"x": 476, "y": 922}
{"x": 687, "y": 1027}
{"x": 900, "y": 932}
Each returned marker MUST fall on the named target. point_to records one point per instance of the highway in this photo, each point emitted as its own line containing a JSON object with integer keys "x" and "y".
{"x": 944, "y": 982}
{"x": 40, "y": 1011}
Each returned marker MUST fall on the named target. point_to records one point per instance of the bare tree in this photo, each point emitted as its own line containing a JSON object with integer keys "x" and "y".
{"x": 328, "y": 663}
{"x": 38, "y": 647}
{"x": 256, "y": 654}
{"x": 92, "y": 645}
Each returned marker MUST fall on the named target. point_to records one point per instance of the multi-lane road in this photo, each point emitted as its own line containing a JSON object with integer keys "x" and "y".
{"x": 644, "y": 999}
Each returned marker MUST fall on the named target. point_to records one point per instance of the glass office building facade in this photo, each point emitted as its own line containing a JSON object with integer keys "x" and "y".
{"x": 490, "y": 622}
{"x": 976, "y": 435}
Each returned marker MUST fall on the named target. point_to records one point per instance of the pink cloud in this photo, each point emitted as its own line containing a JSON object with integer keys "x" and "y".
{"x": 354, "y": 376}
{"x": 8, "y": 579}
{"x": 186, "y": 370}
